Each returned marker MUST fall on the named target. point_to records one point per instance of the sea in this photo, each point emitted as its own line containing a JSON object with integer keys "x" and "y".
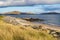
{"x": 51, "y": 19}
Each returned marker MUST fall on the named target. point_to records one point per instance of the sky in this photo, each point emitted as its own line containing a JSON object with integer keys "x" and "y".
{"x": 34, "y": 6}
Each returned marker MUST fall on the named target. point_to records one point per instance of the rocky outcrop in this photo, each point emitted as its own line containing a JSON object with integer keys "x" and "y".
{"x": 15, "y": 21}
{"x": 34, "y": 19}
{"x": 54, "y": 33}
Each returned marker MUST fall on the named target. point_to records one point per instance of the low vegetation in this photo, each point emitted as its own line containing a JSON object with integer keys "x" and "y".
{"x": 19, "y": 32}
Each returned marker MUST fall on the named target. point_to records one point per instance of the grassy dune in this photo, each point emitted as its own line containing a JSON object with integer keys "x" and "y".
{"x": 19, "y": 32}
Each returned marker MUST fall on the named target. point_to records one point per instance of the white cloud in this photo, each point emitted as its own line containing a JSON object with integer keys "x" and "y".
{"x": 55, "y": 4}
{"x": 51, "y": 1}
{"x": 27, "y": 2}
{"x": 1, "y": 2}
{"x": 34, "y": 9}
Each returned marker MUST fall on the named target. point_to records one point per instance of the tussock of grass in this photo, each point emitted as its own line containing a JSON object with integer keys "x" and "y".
{"x": 19, "y": 32}
{"x": 11, "y": 32}
{"x": 1, "y": 17}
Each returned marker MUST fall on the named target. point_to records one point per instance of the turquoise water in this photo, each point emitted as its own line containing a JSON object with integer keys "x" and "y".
{"x": 53, "y": 19}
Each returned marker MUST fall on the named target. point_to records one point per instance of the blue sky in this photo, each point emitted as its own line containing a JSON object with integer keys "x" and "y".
{"x": 34, "y": 6}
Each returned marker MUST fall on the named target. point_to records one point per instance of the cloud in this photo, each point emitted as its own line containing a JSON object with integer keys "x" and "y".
{"x": 26, "y": 2}
{"x": 12, "y": 2}
{"x": 49, "y": 8}
{"x": 34, "y": 9}
{"x": 1, "y": 3}
{"x": 49, "y": 5}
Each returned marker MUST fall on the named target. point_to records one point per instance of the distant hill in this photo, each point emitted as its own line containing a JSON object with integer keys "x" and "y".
{"x": 13, "y": 12}
{"x": 17, "y": 12}
{"x": 50, "y": 13}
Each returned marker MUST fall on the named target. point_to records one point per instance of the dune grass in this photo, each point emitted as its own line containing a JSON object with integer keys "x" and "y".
{"x": 19, "y": 32}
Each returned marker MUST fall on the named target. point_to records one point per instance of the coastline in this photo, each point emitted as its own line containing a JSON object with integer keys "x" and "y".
{"x": 23, "y": 22}
{"x": 49, "y": 29}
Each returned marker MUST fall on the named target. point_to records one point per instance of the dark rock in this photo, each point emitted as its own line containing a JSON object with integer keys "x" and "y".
{"x": 33, "y": 19}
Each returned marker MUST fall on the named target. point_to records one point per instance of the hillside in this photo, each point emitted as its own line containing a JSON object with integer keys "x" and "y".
{"x": 49, "y": 13}
{"x": 13, "y": 12}
{"x": 10, "y": 31}
{"x": 16, "y": 12}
